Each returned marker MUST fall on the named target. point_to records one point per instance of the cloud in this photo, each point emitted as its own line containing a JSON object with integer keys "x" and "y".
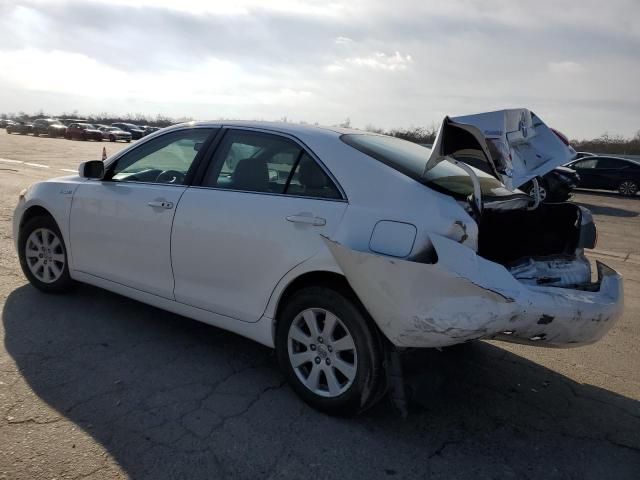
{"x": 566, "y": 67}
{"x": 325, "y": 61}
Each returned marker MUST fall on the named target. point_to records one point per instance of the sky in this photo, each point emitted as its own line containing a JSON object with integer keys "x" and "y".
{"x": 388, "y": 64}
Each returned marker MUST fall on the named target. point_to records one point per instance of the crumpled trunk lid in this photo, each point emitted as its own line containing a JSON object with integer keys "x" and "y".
{"x": 521, "y": 144}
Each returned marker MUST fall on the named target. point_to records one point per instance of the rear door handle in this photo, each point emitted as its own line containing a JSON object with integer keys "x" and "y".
{"x": 307, "y": 220}
{"x": 161, "y": 204}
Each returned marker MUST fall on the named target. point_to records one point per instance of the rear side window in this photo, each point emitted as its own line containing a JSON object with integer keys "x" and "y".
{"x": 261, "y": 162}
{"x": 611, "y": 163}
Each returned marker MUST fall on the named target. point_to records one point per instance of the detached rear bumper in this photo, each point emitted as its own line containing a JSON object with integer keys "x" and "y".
{"x": 464, "y": 297}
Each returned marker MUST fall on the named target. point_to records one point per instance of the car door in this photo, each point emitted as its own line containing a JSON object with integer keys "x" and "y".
{"x": 610, "y": 172}
{"x": 120, "y": 227}
{"x": 261, "y": 209}
{"x": 586, "y": 170}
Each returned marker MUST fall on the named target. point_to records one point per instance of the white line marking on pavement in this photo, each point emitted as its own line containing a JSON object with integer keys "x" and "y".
{"x": 39, "y": 165}
{"x": 6, "y": 160}
{"x": 68, "y": 170}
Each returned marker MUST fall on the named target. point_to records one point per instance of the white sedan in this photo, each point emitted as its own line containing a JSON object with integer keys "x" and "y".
{"x": 113, "y": 134}
{"x": 336, "y": 247}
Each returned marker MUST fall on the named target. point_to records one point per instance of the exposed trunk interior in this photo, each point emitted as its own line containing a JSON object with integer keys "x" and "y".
{"x": 511, "y": 236}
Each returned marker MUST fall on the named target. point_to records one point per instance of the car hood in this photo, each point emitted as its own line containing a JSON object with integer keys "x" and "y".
{"x": 516, "y": 143}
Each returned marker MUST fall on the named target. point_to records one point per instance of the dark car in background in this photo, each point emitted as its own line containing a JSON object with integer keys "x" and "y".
{"x": 21, "y": 127}
{"x": 555, "y": 186}
{"x": 608, "y": 173}
{"x": 135, "y": 131}
{"x": 148, "y": 129}
{"x": 5, "y": 122}
{"x": 69, "y": 121}
{"x": 83, "y": 131}
{"x": 48, "y": 126}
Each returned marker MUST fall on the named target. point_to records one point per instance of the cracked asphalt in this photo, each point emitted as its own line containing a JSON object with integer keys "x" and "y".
{"x": 94, "y": 385}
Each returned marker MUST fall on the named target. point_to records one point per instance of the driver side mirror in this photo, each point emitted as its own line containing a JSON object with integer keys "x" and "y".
{"x": 93, "y": 169}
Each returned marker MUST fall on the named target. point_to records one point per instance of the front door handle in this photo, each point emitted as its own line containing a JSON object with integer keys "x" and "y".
{"x": 161, "y": 204}
{"x": 307, "y": 219}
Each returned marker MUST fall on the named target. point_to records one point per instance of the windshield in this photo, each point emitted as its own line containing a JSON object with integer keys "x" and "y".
{"x": 411, "y": 159}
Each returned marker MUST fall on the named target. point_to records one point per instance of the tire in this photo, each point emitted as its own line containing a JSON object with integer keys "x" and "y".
{"x": 628, "y": 188}
{"x": 50, "y": 275}
{"x": 36, "y": 133}
{"x": 356, "y": 370}
{"x": 545, "y": 195}
{"x": 112, "y": 138}
{"x": 84, "y": 137}
{"x": 67, "y": 136}
{"x": 129, "y": 141}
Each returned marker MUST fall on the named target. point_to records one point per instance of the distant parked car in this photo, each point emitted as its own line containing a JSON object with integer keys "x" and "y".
{"x": 69, "y": 121}
{"x": 48, "y": 126}
{"x": 149, "y": 129}
{"x": 135, "y": 131}
{"x": 114, "y": 134}
{"x": 21, "y": 127}
{"x": 555, "y": 186}
{"x": 4, "y": 123}
{"x": 608, "y": 173}
{"x": 83, "y": 131}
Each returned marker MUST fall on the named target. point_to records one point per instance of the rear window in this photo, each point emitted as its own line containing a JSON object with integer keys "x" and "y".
{"x": 411, "y": 158}
{"x": 406, "y": 157}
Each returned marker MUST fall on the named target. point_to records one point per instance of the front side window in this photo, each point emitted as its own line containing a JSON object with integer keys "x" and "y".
{"x": 586, "y": 163}
{"x": 166, "y": 159}
{"x": 262, "y": 162}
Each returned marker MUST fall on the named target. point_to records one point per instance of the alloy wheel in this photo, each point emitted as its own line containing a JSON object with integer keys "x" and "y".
{"x": 628, "y": 187}
{"x": 322, "y": 352}
{"x": 45, "y": 255}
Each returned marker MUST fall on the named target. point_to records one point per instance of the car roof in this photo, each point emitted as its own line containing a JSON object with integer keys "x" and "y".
{"x": 294, "y": 129}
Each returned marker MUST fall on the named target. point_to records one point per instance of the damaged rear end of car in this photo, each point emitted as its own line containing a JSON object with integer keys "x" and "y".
{"x": 522, "y": 276}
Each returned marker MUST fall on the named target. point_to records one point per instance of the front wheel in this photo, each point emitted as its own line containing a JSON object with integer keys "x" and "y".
{"x": 112, "y": 138}
{"x": 43, "y": 255}
{"x": 329, "y": 352}
{"x": 628, "y": 188}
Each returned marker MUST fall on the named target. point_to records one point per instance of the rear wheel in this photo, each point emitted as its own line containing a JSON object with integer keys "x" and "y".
{"x": 36, "y": 133}
{"x": 628, "y": 188}
{"x": 112, "y": 138}
{"x": 330, "y": 355}
{"x": 43, "y": 255}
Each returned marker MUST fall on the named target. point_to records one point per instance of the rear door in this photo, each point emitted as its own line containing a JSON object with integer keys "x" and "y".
{"x": 611, "y": 172}
{"x": 260, "y": 211}
{"x": 120, "y": 226}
